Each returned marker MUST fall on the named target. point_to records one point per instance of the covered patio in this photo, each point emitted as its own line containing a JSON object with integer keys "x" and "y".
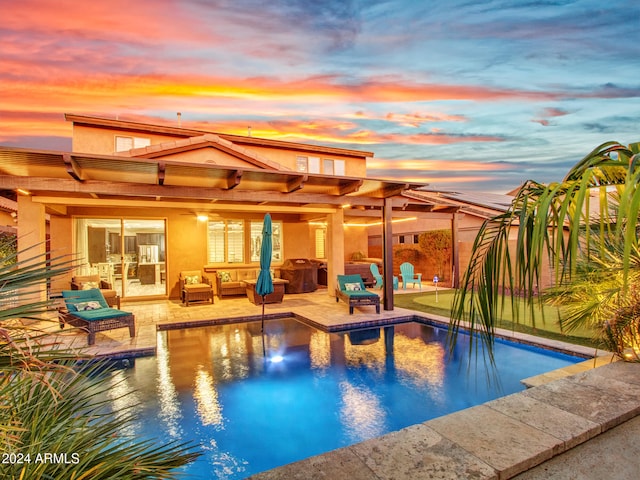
{"x": 55, "y": 189}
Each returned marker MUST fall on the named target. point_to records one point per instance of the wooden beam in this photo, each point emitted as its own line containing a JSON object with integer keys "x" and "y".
{"x": 350, "y": 187}
{"x": 72, "y": 167}
{"x": 234, "y": 178}
{"x": 397, "y": 214}
{"x": 161, "y": 172}
{"x": 228, "y": 207}
{"x": 390, "y": 190}
{"x": 296, "y": 183}
{"x": 135, "y": 190}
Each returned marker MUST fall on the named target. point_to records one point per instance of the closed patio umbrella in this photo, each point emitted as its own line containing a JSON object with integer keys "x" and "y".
{"x": 264, "y": 285}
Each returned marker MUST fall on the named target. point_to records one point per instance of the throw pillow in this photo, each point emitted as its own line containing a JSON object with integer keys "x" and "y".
{"x": 351, "y": 287}
{"x": 90, "y": 285}
{"x": 191, "y": 279}
{"x": 225, "y": 276}
{"x": 92, "y": 305}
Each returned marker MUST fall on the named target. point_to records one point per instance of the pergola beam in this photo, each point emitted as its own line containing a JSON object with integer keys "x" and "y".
{"x": 133, "y": 190}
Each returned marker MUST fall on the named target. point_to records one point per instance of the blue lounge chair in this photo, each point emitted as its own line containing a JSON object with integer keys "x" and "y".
{"x": 88, "y": 309}
{"x": 351, "y": 289}
{"x": 408, "y": 276}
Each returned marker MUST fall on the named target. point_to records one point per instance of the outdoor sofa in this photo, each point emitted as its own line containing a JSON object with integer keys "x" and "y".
{"x": 230, "y": 281}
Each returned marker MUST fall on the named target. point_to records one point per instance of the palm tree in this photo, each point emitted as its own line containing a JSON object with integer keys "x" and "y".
{"x": 55, "y": 421}
{"x": 583, "y": 233}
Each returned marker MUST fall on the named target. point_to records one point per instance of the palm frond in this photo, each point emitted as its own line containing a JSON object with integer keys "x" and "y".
{"x": 555, "y": 231}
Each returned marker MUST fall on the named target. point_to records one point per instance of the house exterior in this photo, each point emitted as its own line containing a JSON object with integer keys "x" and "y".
{"x": 144, "y": 202}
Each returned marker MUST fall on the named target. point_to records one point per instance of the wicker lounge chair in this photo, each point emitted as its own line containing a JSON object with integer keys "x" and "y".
{"x": 351, "y": 289}
{"x": 89, "y": 310}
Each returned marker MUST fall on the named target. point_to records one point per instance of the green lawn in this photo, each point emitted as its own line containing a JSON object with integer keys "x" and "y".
{"x": 546, "y": 324}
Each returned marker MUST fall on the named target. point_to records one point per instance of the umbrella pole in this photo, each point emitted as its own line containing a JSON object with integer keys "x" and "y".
{"x": 264, "y": 348}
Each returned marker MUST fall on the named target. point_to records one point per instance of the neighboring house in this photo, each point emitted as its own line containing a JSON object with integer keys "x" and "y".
{"x": 8, "y": 215}
{"x": 144, "y": 202}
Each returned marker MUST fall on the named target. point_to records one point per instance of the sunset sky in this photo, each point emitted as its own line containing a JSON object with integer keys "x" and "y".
{"x": 463, "y": 95}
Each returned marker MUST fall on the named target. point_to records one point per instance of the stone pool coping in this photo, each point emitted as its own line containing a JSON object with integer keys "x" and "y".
{"x": 495, "y": 440}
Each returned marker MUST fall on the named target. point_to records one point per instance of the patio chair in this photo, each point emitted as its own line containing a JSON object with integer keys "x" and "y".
{"x": 195, "y": 287}
{"x": 88, "y": 309}
{"x": 351, "y": 290}
{"x": 87, "y": 282}
{"x": 378, "y": 278}
{"x": 408, "y": 276}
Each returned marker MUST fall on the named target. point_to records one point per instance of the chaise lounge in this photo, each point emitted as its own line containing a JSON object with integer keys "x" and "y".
{"x": 351, "y": 289}
{"x": 88, "y": 309}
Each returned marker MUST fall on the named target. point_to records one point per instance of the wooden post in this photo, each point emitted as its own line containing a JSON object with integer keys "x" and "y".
{"x": 455, "y": 251}
{"x": 387, "y": 253}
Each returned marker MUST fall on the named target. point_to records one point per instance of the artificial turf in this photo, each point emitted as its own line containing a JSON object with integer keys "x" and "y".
{"x": 544, "y": 323}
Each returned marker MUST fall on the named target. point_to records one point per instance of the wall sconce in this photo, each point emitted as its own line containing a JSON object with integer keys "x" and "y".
{"x": 14, "y": 215}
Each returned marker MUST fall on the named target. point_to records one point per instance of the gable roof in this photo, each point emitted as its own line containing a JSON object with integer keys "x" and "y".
{"x": 209, "y": 140}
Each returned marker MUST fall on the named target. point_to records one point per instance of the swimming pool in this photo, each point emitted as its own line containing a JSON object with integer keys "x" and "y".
{"x": 255, "y": 402}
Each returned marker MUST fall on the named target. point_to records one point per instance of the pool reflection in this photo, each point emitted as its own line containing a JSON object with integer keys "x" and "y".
{"x": 222, "y": 386}
{"x": 229, "y": 353}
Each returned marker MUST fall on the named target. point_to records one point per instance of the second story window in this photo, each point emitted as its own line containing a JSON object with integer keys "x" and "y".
{"x": 332, "y": 167}
{"x": 127, "y": 143}
{"x": 308, "y": 164}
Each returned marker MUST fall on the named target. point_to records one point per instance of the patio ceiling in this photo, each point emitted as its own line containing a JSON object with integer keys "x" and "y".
{"x": 64, "y": 178}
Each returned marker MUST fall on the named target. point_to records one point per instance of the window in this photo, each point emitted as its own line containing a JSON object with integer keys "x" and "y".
{"x": 321, "y": 242}
{"x": 308, "y": 164}
{"x": 225, "y": 241}
{"x": 276, "y": 241}
{"x": 127, "y": 143}
{"x": 302, "y": 164}
{"x": 327, "y": 166}
{"x": 333, "y": 167}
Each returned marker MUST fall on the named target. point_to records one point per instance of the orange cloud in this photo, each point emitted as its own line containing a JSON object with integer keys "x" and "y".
{"x": 435, "y": 165}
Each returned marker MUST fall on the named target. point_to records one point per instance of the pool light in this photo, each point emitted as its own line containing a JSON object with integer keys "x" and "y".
{"x": 277, "y": 359}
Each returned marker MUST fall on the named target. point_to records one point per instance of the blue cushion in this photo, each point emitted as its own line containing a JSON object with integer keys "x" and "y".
{"x": 71, "y": 297}
{"x": 100, "y": 314}
{"x": 344, "y": 279}
{"x": 359, "y": 293}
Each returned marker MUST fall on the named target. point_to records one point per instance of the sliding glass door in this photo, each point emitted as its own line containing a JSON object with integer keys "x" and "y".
{"x": 130, "y": 254}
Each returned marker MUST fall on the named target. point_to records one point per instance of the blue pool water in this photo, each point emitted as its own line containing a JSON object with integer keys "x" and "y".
{"x": 308, "y": 391}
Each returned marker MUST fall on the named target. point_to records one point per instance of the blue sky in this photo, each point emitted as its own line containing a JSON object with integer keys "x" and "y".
{"x": 463, "y": 95}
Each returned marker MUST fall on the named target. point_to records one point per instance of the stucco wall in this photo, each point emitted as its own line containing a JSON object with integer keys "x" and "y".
{"x": 186, "y": 238}
{"x": 102, "y": 141}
